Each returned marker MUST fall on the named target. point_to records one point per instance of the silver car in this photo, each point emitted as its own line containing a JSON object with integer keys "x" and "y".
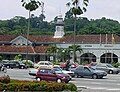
{"x": 83, "y": 71}
{"x": 107, "y": 67}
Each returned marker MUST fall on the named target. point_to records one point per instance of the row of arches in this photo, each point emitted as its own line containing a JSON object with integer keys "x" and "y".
{"x": 105, "y": 58}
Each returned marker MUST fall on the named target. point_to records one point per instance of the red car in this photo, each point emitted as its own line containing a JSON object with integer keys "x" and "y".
{"x": 73, "y": 65}
{"x": 52, "y": 75}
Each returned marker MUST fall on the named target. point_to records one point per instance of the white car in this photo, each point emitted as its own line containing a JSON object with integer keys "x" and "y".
{"x": 33, "y": 71}
{"x": 43, "y": 64}
{"x": 71, "y": 73}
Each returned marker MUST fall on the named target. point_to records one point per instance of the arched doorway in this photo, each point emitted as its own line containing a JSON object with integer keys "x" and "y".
{"x": 87, "y": 58}
{"x": 109, "y": 58}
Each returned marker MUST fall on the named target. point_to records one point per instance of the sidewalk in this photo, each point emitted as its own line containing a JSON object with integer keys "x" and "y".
{"x": 84, "y": 89}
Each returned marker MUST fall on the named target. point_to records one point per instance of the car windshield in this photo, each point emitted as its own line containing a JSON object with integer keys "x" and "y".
{"x": 92, "y": 68}
{"x": 110, "y": 66}
{"x": 58, "y": 71}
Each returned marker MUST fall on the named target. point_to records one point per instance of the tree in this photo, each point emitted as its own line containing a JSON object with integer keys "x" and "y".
{"x": 74, "y": 49}
{"x": 64, "y": 54}
{"x": 18, "y": 57}
{"x": 77, "y": 10}
{"x": 52, "y": 50}
{"x": 68, "y": 15}
{"x": 31, "y": 5}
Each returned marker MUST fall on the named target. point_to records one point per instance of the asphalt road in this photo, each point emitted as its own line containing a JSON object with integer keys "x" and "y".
{"x": 110, "y": 83}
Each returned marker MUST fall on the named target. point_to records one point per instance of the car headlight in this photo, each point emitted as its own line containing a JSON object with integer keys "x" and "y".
{"x": 63, "y": 77}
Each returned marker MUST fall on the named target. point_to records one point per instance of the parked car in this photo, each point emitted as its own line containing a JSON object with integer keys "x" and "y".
{"x": 15, "y": 64}
{"x": 43, "y": 64}
{"x": 71, "y": 73}
{"x": 33, "y": 71}
{"x": 4, "y": 61}
{"x": 28, "y": 63}
{"x": 72, "y": 65}
{"x": 106, "y": 67}
{"x": 51, "y": 74}
{"x": 84, "y": 71}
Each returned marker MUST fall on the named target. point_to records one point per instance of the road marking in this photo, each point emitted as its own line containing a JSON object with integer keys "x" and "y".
{"x": 95, "y": 83}
{"x": 103, "y": 88}
{"x": 118, "y": 84}
{"x": 114, "y": 89}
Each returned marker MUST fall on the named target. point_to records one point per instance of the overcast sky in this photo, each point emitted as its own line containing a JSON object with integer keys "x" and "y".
{"x": 96, "y": 9}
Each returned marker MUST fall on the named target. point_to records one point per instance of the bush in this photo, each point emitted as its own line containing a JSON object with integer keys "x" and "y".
{"x": 71, "y": 87}
{"x": 17, "y": 86}
{"x": 116, "y": 64}
{"x": 5, "y": 79}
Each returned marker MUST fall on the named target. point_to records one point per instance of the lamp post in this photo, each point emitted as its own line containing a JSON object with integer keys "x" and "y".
{"x": 28, "y": 30}
{"x": 29, "y": 5}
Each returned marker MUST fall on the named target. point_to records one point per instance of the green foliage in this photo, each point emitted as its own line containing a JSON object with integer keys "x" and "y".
{"x": 20, "y": 85}
{"x": 31, "y": 5}
{"x": 71, "y": 87}
{"x": 1, "y": 58}
{"x": 78, "y": 7}
{"x": 116, "y": 64}
{"x": 18, "y": 25}
{"x": 18, "y": 57}
{"x": 28, "y": 63}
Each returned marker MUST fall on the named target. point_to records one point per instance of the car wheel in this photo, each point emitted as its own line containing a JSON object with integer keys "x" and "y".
{"x": 22, "y": 67}
{"x": 4, "y": 69}
{"x": 59, "y": 80}
{"x": 8, "y": 67}
{"x": 94, "y": 76}
{"x": 76, "y": 76}
{"x": 117, "y": 72}
{"x": 38, "y": 79}
{"x": 110, "y": 72}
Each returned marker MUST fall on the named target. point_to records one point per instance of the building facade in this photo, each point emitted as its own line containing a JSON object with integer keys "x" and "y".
{"x": 96, "y": 48}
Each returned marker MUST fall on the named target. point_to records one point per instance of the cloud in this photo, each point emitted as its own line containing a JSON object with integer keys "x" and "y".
{"x": 96, "y": 9}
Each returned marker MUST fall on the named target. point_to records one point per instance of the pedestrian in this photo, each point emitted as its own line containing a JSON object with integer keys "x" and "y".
{"x": 67, "y": 65}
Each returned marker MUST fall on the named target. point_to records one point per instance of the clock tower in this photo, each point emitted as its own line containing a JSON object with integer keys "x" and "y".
{"x": 59, "y": 33}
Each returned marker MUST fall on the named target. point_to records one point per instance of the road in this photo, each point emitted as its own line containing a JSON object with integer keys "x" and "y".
{"x": 111, "y": 83}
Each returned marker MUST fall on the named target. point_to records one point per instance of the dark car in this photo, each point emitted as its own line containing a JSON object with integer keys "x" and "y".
{"x": 52, "y": 75}
{"x": 15, "y": 64}
{"x": 106, "y": 67}
{"x": 83, "y": 71}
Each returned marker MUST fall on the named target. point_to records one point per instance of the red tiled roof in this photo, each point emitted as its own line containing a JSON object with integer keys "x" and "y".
{"x": 23, "y": 49}
{"x": 65, "y": 39}
{"x": 89, "y": 38}
{"x": 7, "y": 37}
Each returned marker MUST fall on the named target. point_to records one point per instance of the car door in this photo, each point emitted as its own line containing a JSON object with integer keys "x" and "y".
{"x": 79, "y": 71}
{"x": 43, "y": 74}
{"x": 86, "y": 72}
{"x": 51, "y": 75}
{"x": 102, "y": 67}
{"x": 17, "y": 65}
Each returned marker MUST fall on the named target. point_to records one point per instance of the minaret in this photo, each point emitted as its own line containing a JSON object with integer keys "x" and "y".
{"x": 59, "y": 33}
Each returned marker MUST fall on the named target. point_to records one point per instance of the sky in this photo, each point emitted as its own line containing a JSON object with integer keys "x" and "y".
{"x": 96, "y": 9}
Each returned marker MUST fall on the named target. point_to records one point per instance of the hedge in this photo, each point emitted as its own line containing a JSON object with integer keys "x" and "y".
{"x": 23, "y": 85}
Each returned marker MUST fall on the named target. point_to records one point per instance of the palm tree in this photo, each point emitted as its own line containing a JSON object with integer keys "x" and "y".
{"x": 30, "y": 5}
{"x": 74, "y": 49}
{"x": 76, "y": 9}
{"x": 52, "y": 50}
{"x": 63, "y": 54}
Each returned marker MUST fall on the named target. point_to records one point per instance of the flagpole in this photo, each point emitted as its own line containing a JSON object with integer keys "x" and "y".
{"x": 106, "y": 50}
{"x": 112, "y": 40}
{"x": 100, "y": 40}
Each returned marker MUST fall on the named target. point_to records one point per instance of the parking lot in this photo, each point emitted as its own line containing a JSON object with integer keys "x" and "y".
{"x": 110, "y": 83}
